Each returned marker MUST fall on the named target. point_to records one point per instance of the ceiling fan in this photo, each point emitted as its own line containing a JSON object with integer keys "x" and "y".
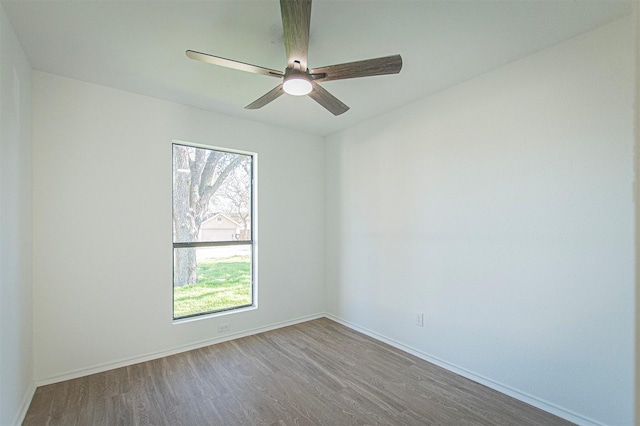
{"x": 297, "y": 78}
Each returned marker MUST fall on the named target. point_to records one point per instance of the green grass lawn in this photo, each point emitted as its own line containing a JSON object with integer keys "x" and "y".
{"x": 222, "y": 284}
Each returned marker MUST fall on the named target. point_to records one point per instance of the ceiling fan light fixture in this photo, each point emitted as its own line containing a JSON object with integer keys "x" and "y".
{"x": 296, "y": 84}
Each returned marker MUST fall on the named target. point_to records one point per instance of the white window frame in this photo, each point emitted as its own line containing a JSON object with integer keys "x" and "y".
{"x": 253, "y": 241}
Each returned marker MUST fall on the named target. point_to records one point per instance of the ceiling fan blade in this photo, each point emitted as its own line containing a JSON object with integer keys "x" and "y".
{"x": 368, "y": 67}
{"x": 266, "y": 98}
{"x": 327, "y": 100}
{"x": 229, "y": 63}
{"x": 296, "y": 19}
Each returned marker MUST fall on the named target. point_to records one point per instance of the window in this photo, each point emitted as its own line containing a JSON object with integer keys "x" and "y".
{"x": 213, "y": 243}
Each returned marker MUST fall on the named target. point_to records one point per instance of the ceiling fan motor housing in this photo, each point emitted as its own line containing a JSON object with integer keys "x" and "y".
{"x": 296, "y": 82}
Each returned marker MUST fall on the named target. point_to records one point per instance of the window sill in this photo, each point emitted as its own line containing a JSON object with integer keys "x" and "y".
{"x": 214, "y": 315}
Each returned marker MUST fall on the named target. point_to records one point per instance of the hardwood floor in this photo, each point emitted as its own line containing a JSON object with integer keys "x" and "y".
{"x": 314, "y": 373}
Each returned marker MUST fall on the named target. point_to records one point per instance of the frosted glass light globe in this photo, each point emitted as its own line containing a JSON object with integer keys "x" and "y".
{"x": 297, "y": 86}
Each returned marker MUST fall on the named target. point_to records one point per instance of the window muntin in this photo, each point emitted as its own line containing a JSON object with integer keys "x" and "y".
{"x": 212, "y": 230}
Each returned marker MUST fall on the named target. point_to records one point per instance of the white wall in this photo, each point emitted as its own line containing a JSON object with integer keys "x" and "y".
{"x": 501, "y": 208}
{"x": 104, "y": 156}
{"x": 637, "y": 214}
{"x": 16, "y": 379}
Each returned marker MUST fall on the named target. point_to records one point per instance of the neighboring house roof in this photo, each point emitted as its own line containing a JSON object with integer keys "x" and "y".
{"x": 219, "y": 221}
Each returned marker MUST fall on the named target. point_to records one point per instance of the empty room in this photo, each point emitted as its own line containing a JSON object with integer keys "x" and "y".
{"x": 333, "y": 212}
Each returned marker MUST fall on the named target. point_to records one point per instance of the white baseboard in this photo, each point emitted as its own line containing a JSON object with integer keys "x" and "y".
{"x": 155, "y": 355}
{"x": 514, "y": 393}
{"x": 24, "y": 405}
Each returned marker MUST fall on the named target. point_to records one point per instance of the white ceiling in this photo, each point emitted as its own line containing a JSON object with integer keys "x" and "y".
{"x": 139, "y": 46}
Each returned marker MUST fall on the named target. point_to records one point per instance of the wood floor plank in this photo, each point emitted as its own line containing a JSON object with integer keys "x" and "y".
{"x": 314, "y": 373}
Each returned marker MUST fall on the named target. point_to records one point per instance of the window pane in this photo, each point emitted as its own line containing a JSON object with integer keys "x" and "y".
{"x": 212, "y": 279}
{"x": 211, "y": 195}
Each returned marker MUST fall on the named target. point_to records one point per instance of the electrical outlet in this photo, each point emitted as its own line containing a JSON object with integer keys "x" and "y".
{"x": 419, "y": 319}
{"x": 224, "y": 327}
